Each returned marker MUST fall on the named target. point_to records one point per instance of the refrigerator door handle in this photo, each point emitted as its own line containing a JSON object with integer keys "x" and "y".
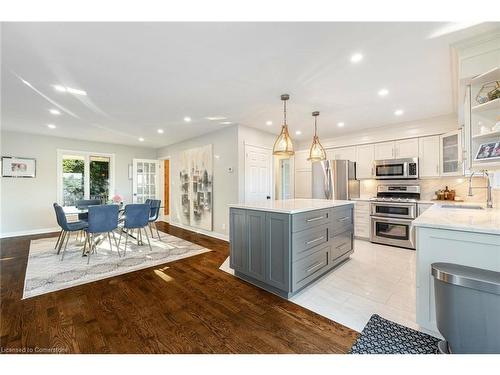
{"x": 328, "y": 181}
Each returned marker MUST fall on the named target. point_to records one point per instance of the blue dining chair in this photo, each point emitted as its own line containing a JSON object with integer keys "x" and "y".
{"x": 155, "y": 205}
{"x": 85, "y": 204}
{"x": 136, "y": 216}
{"x": 101, "y": 220}
{"x": 66, "y": 228}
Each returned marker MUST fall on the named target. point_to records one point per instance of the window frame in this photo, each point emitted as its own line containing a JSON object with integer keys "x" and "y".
{"x": 86, "y": 155}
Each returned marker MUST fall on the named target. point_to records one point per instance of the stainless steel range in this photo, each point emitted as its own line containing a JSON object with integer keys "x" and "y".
{"x": 391, "y": 214}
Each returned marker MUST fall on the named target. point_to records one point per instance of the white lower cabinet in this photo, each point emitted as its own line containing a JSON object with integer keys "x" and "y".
{"x": 362, "y": 219}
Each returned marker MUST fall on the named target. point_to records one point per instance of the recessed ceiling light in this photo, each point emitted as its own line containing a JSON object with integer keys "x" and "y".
{"x": 340, "y": 124}
{"x": 141, "y": 139}
{"x": 187, "y": 119}
{"x": 51, "y": 126}
{"x": 269, "y": 123}
{"x": 298, "y": 132}
{"x": 160, "y": 131}
{"x": 383, "y": 92}
{"x": 54, "y": 111}
{"x": 357, "y": 57}
{"x": 216, "y": 118}
{"x": 398, "y": 112}
{"x": 226, "y": 123}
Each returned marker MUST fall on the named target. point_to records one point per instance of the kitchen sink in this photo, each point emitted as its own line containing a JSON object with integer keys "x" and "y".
{"x": 463, "y": 206}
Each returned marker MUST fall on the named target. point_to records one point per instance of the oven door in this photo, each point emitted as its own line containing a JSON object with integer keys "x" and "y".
{"x": 391, "y": 170}
{"x": 392, "y": 209}
{"x": 390, "y": 231}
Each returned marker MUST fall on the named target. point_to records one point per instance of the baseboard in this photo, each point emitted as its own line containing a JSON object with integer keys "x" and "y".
{"x": 29, "y": 232}
{"x": 219, "y": 236}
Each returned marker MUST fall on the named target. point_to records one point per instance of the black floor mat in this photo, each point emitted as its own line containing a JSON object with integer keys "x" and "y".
{"x": 381, "y": 336}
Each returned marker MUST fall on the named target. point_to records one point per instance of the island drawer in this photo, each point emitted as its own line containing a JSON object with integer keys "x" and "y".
{"x": 310, "y": 219}
{"x": 342, "y": 219}
{"x": 310, "y": 267}
{"x": 341, "y": 244}
{"x": 305, "y": 242}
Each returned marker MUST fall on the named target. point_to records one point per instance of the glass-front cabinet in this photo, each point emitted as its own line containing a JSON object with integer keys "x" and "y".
{"x": 482, "y": 122}
{"x": 451, "y": 153}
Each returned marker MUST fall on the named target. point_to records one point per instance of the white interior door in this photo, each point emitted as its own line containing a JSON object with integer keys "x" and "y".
{"x": 145, "y": 180}
{"x": 258, "y": 173}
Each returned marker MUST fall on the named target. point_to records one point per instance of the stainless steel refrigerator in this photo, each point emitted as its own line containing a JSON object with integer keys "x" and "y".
{"x": 334, "y": 179}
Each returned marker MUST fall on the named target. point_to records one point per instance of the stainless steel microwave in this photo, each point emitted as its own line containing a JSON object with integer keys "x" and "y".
{"x": 396, "y": 169}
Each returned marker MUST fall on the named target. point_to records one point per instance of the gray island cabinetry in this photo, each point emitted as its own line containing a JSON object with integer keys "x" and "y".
{"x": 282, "y": 246}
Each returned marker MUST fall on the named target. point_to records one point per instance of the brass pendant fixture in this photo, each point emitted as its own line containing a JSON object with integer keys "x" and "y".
{"x": 317, "y": 152}
{"x": 283, "y": 146}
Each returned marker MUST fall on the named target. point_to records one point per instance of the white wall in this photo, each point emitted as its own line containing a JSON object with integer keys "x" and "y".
{"x": 225, "y": 184}
{"x": 26, "y": 203}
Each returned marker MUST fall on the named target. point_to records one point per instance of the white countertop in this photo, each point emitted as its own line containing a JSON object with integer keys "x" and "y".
{"x": 486, "y": 220}
{"x": 291, "y": 206}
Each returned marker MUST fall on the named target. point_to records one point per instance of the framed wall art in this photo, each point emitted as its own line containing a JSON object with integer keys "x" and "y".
{"x": 18, "y": 167}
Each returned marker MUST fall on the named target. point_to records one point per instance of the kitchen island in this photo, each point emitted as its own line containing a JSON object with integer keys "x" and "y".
{"x": 459, "y": 235}
{"x": 284, "y": 245}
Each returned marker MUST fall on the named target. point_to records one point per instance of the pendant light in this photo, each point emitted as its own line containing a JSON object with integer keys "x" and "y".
{"x": 317, "y": 152}
{"x": 283, "y": 145}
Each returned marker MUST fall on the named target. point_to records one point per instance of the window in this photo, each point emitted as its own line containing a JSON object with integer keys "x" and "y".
{"x": 84, "y": 175}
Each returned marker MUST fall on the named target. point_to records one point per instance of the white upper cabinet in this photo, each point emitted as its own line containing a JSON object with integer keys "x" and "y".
{"x": 451, "y": 153}
{"x": 342, "y": 153}
{"x": 406, "y": 148}
{"x": 364, "y": 161}
{"x": 385, "y": 150}
{"x": 428, "y": 154}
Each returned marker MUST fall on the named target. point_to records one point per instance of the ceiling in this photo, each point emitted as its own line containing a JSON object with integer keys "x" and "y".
{"x": 141, "y": 77}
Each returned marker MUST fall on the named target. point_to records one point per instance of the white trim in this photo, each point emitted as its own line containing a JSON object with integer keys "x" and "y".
{"x": 30, "y": 232}
{"x": 258, "y": 146}
{"x": 217, "y": 235}
{"x": 86, "y": 155}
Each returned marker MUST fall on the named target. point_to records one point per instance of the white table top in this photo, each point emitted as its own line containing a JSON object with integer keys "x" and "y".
{"x": 486, "y": 220}
{"x": 291, "y": 206}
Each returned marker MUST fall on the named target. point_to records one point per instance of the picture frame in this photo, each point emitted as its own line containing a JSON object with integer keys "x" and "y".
{"x": 488, "y": 151}
{"x": 17, "y": 167}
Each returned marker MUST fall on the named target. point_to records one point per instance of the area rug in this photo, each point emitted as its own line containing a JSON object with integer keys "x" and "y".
{"x": 46, "y": 272}
{"x": 381, "y": 336}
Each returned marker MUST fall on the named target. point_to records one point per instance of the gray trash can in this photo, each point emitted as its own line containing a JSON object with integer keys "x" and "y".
{"x": 467, "y": 308}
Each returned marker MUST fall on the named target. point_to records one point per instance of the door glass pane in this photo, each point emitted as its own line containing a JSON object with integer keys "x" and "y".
{"x": 394, "y": 210}
{"x": 99, "y": 178}
{"x": 73, "y": 168}
{"x": 390, "y": 170}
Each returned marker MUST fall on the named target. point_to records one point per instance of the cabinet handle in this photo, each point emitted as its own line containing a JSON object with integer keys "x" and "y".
{"x": 314, "y": 266}
{"x": 315, "y": 240}
{"x": 314, "y": 219}
{"x": 342, "y": 244}
{"x": 344, "y": 218}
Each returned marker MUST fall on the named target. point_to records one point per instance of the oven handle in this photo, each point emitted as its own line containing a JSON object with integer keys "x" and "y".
{"x": 391, "y": 220}
{"x": 378, "y": 203}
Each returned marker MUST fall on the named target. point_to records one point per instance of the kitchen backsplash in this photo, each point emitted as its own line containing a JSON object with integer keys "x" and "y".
{"x": 428, "y": 188}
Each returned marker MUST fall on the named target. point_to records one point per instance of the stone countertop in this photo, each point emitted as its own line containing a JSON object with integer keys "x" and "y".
{"x": 486, "y": 220}
{"x": 291, "y": 206}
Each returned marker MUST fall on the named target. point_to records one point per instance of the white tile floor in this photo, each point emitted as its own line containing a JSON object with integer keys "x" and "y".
{"x": 378, "y": 279}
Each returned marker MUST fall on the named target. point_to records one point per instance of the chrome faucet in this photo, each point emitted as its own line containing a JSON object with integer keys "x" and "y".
{"x": 489, "y": 200}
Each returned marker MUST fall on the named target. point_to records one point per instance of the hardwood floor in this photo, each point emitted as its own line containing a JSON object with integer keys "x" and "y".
{"x": 187, "y": 306}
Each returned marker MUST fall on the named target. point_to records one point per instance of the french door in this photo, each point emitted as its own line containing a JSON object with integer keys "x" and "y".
{"x": 145, "y": 180}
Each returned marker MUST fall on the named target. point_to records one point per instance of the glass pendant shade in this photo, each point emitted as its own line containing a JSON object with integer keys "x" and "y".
{"x": 283, "y": 146}
{"x": 316, "y": 152}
